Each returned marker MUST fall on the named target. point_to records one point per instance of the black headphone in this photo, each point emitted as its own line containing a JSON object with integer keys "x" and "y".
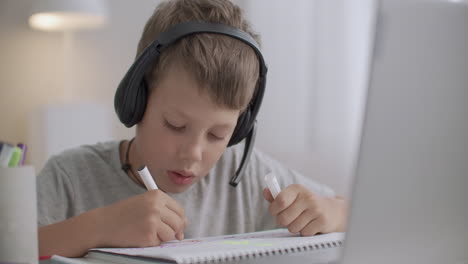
{"x": 132, "y": 93}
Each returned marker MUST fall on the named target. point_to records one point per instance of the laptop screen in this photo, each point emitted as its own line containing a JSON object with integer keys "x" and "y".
{"x": 409, "y": 203}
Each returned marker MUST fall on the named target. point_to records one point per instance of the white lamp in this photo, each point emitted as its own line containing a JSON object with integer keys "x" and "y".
{"x": 67, "y": 15}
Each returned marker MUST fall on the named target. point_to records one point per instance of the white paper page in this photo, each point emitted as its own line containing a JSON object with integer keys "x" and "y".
{"x": 230, "y": 246}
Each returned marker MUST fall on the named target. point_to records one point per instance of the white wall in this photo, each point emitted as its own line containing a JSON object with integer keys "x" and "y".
{"x": 359, "y": 32}
{"x": 317, "y": 52}
{"x": 343, "y": 39}
{"x": 310, "y": 116}
{"x": 288, "y": 113}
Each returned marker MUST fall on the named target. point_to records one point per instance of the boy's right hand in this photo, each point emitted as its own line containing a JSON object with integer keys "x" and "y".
{"x": 141, "y": 221}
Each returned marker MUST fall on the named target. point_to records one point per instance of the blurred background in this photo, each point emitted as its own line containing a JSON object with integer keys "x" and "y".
{"x": 57, "y": 87}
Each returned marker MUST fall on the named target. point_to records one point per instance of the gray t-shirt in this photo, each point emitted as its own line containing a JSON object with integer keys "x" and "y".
{"x": 90, "y": 176}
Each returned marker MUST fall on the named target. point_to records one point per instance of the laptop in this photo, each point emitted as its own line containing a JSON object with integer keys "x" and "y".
{"x": 409, "y": 201}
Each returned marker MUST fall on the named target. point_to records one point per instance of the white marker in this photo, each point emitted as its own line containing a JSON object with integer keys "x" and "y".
{"x": 147, "y": 178}
{"x": 272, "y": 184}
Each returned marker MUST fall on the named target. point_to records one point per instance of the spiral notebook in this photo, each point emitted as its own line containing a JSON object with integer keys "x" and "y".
{"x": 223, "y": 248}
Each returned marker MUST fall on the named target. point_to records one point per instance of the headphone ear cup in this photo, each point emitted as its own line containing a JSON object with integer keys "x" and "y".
{"x": 130, "y": 100}
{"x": 243, "y": 127}
{"x": 141, "y": 100}
{"x": 246, "y": 121}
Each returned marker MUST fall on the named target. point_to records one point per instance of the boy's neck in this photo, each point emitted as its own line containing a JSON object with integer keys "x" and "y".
{"x": 126, "y": 151}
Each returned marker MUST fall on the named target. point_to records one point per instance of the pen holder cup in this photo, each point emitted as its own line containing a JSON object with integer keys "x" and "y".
{"x": 18, "y": 215}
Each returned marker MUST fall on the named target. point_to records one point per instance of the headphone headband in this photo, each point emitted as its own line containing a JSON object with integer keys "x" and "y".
{"x": 189, "y": 28}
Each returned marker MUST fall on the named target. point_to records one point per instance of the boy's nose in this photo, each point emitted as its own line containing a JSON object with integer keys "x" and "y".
{"x": 192, "y": 151}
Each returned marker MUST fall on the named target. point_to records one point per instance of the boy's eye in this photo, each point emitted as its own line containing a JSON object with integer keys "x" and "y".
{"x": 173, "y": 127}
{"x": 215, "y": 137}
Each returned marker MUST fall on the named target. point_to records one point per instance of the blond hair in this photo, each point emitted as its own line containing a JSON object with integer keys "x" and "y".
{"x": 224, "y": 67}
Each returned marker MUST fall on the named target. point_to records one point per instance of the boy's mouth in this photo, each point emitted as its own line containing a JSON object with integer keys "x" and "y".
{"x": 181, "y": 177}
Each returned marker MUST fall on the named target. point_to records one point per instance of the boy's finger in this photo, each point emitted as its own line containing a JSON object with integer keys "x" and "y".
{"x": 286, "y": 217}
{"x": 313, "y": 227}
{"x": 173, "y": 220}
{"x": 284, "y": 199}
{"x": 301, "y": 221}
{"x": 267, "y": 195}
{"x": 175, "y": 207}
{"x": 179, "y": 236}
{"x": 166, "y": 233}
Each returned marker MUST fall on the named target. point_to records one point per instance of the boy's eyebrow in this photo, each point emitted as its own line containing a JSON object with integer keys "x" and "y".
{"x": 186, "y": 116}
{"x": 223, "y": 126}
{"x": 177, "y": 112}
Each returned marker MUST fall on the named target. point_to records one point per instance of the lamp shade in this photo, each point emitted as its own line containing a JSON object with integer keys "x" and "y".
{"x": 63, "y": 15}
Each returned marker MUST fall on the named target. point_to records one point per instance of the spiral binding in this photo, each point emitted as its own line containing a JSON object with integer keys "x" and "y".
{"x": 263, "y": 252}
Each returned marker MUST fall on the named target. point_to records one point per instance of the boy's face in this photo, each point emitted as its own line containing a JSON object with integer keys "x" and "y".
{"x": 183, "y": 133}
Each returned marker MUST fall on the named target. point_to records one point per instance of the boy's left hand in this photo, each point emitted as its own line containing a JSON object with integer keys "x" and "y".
{"x": 303, "y": 211}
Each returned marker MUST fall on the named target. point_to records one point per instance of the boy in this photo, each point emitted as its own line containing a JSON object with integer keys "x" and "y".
{"x": 92, "y": 196}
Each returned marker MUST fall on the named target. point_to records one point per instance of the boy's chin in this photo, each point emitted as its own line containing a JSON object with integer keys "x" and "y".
{"x": 172, "y": 188}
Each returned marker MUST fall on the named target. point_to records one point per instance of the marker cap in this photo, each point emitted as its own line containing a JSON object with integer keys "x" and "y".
{"x": 147, "y": 178}
{"x": 272, "y": 184}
